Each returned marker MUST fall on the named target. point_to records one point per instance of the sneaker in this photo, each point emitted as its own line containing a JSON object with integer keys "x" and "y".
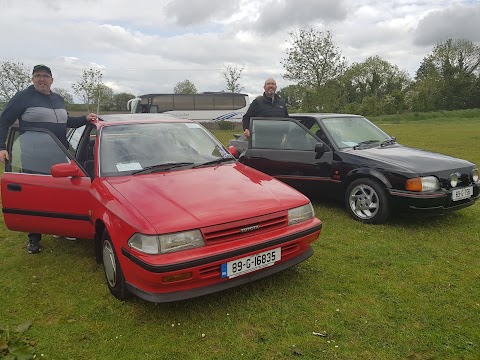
{"x": 34, "y": 247}
{"x": 66, "y": 237}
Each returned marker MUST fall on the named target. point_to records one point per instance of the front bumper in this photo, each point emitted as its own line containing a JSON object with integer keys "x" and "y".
{"x": 148, "y": 280}
{"x": 188, "y": 294}
{"x": 439, "y": 202}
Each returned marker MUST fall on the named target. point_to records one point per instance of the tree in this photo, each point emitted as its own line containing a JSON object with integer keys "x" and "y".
{"x": 293, "y": 95}
{"x": 312, "y": 59}
{"x": 185, "y": 87}
{"x": 14, "y": 76}
{"x": 104, "y": 99}
{"x": 232, "y": 74}
{"x": 88, "y": 86}
{"x": 120, "y": 101}
{"x": 447, "y": 77}
{"x": 67, "y": 97}
{"x": 376, "y": 84}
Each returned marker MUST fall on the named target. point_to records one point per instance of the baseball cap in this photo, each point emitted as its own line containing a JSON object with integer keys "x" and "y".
{"x": 42, "y": 67}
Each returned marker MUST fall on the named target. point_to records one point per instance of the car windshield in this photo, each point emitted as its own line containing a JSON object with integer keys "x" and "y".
{"x": 354, "y": 132}
{"x": 154, "y": 147}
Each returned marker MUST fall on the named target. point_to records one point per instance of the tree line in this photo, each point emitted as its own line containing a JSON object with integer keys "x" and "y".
{"x": 448, "y": 78}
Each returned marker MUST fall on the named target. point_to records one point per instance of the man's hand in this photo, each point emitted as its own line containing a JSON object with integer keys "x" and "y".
{"x": 91, "y": 117}
{"x": 246, "y": 132}
{"x": 4, "y": 156}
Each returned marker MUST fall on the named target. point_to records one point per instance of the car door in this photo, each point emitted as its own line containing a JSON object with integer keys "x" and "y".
{"x": 35, "y": 201}
{"x": 285, "y": 149}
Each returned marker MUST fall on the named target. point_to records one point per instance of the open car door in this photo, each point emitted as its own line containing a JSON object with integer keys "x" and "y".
{"x": 286, "y": 150}
{"x": 33, "y": 200}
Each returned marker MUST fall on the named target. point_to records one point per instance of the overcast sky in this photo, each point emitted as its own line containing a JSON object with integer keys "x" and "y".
{"x": 149, "y": 46}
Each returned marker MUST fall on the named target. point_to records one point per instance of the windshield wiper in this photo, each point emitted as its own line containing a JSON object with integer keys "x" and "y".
{"x": 389, "y": 142}
{"x": 216, "y": 161}
{"x": 367, "y": 142}
{"x": 162, "y": 167}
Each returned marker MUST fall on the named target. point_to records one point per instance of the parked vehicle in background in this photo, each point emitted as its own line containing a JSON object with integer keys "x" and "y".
{"x": 172, "y": 213}
{"x": 208, "y": 106}
{"x": 350, "y": 159}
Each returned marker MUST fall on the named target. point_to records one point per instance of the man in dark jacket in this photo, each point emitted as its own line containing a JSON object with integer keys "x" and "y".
{"x": 268, "y": 105}
{"x": 37, "y": 107}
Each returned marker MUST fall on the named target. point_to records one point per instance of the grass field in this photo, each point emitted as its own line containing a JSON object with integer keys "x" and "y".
{"x": 409, "y": 289}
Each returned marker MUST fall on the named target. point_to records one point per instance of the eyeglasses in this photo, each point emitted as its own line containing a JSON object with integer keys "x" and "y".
{"x": 39, "y": 76}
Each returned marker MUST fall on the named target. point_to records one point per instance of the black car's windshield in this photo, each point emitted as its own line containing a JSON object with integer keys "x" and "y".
{"x": 141, "y": 148}
{"x": 354, "y": 132}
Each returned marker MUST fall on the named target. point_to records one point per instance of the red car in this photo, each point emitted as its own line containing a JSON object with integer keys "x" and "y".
{"x": 171, "y": 213}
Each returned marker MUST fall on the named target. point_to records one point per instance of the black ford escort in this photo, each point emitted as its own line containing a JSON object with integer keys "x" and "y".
{"x": 349, "y": 158}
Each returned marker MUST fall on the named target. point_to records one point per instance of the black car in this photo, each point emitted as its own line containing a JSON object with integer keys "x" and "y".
{"x": 349, "y": 158}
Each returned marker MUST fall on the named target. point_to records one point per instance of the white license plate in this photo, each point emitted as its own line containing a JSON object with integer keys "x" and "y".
{"x": 251, "y": 263}
{"x": 463, "y": 193}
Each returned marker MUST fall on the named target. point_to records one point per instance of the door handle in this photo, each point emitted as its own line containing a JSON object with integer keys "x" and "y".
{"x": 14, "y": 187}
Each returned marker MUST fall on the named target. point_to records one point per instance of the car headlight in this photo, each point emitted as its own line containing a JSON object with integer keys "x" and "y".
{"x": 475, "y": 175}
{"x": 453, "y": 180}
{"x": 161, "y": 244}
{"x": 300, "y": 214}
{"x": 427, "y": 183}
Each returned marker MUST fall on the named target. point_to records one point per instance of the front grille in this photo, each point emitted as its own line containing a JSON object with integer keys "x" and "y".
{"x": 245, "y": 228}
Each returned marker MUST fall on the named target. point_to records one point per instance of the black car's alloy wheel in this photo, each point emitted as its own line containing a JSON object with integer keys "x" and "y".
{"x": 366, "y": 201}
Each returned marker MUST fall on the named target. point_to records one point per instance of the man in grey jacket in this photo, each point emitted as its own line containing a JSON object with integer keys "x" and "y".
{"x": 37, "y": 107}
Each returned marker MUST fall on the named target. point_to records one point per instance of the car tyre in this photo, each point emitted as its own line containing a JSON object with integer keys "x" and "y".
{"x": 366, "y": 201}
{"x": 113, "y": 272}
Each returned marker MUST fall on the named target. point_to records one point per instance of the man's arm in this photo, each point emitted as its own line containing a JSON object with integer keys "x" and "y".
{"x": 246, "y": 118}
{"x": 76, "y": 122}
{"x": 12, "y": 112}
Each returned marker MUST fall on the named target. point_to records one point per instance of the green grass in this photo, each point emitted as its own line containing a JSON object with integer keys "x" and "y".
{"x": 408, "y": 289}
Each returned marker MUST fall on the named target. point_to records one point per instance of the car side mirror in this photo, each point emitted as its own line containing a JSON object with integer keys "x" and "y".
{"x": 320, "y": 148}
{"x": 233, "y": 150}
{"x": 65, "y": 170}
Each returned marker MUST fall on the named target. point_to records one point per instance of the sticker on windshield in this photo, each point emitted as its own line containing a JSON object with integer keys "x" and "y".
{"x": 129, "y": 166}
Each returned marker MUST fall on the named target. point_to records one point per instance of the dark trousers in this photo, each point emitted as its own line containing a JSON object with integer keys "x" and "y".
{"x": 35, "y": 238}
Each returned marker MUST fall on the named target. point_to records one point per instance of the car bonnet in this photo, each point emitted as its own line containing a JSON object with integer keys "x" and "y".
{"x": 415, "y": 160}
{"x": 193, "y": 198}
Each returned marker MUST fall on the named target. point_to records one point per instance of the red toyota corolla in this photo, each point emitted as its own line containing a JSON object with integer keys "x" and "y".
{"x": 173, "y": 215}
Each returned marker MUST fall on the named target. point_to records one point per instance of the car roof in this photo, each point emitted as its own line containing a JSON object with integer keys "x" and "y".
{"x": 140, "y": 117}
{"x": 325, "y": 115}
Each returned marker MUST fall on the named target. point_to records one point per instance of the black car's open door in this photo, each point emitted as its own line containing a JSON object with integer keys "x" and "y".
{"x": 286, "y": 150}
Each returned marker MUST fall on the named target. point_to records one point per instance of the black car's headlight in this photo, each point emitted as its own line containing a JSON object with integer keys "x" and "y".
{"x": 301, "y": 213}
{"x": 161, "y": 244}
{"x": 454, "y": 180}
{"x": 426, "y": 183}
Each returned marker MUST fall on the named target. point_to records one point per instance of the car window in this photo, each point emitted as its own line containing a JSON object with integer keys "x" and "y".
{"x": 350, "y": 131}
{"x": 35, "y": 151}
{"x": 74, "y": 138}
{"x": 281, "y": 135}
{"x": 127, "y": 148}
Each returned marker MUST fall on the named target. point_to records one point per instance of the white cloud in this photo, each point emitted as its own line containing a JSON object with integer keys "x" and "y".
{"x": 151, "y": 45}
